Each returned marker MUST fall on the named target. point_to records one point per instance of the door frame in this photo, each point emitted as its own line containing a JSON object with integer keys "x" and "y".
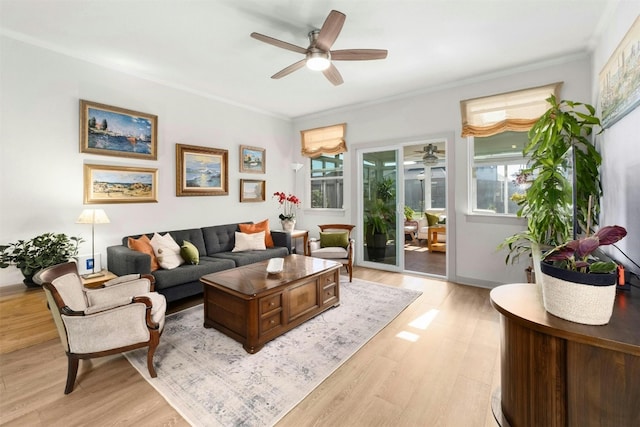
{"x": 356, "y": 189}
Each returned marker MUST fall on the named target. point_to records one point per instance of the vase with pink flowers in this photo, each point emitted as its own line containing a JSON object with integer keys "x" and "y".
{"x": 289, "y": 204}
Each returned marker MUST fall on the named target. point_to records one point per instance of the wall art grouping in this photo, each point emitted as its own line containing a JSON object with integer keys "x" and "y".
{"x": 200, "y": 171}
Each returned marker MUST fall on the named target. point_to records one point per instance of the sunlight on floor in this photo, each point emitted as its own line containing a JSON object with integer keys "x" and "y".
{"x": 421, "y": 322}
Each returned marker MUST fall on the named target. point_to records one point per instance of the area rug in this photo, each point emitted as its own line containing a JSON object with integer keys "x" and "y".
{"x": 212, "y": 381}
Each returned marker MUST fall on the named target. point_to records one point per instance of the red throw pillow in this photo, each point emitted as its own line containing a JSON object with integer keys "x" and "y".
{"x": 143, "y": 244}
{"x": 258, "y": 227}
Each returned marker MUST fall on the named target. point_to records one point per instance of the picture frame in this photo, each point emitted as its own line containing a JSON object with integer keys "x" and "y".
{"x": 115, "y": 131}
{"x": 120, "y": 184}
{"x": 252, "y": 190}
{"x": 252, "y": 159}
{"x": 201, "y": 171}
{"x": 619, "y": 79}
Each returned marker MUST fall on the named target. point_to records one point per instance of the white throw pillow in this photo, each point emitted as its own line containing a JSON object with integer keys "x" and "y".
{"x": 249, "y": 242}
{"x": 167, "y": 251}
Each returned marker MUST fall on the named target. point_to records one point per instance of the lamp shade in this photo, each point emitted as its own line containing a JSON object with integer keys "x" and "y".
{"x": 93, "y": 216}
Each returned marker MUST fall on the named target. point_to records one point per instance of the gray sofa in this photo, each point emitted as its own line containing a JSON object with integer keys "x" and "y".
{"x": 215, "y": 245}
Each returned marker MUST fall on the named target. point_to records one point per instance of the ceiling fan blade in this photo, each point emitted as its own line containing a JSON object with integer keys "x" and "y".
{"x": 279, "y": 43}
{"x": 330, "y": 30}
{"x": 290, "y": 69}
{"x": 358, "y": 54}
{"x": 333, "y": 75}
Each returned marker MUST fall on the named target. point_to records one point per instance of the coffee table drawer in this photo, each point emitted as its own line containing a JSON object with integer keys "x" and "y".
{"x": 271, "y": 322}
{"x": 270, "y": 303}
{"x": 329, "y": 293}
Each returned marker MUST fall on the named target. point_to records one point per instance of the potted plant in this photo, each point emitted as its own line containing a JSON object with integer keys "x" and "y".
{"x": 45, "y": 250}
{"x": 289, "y": 204}
{"x": 380, "y": 218}
{"x": 576, "y": 285}
{"x": 408, "y": 213}
{"x": 562, "y": 175}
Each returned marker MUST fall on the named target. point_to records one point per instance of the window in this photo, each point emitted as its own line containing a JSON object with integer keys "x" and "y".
{"x": 496, "y": 180}
{"x": 425, "y": 188}
{"x": 497, "y": 128}
{"x": 326, "y": 181}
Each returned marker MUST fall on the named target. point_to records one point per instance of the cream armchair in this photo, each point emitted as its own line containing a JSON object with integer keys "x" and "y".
{"x": 335, "y": 243}
{"x": 122, "y": 315}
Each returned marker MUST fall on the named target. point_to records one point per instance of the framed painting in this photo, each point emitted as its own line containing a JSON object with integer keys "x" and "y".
{"x": 114, "y": 131}
{"x": 620, "y": 79}
{"x": 252, "y": 159}
{"x": 252, "y": 190}
{"x": 118, "y": 184}
{"x": 201, "y": 171}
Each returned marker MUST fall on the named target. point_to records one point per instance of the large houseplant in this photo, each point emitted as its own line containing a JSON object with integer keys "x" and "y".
{"x": 380, "y": 218}
{"x": 578, "y": 286}
{"x": 45, "y": 250}
{"x": 558, "y": 204}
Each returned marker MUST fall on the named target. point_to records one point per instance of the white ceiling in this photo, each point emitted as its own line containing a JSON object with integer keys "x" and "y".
{"x": 204, "y": 46}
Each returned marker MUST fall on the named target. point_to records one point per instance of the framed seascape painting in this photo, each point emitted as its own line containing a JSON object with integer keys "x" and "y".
{"x": 620, "y": 79}
{"x": 252, "y": 190}
{"x": 114, "y": 131}
{"x": 252, "y": 159}
{"x": 201, "y": 171}
{"x": 118, "y": 184}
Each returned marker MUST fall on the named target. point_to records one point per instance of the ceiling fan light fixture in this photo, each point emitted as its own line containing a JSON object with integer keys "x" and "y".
{"x": 318, "y": 61}
{"x": 429, "y": 159}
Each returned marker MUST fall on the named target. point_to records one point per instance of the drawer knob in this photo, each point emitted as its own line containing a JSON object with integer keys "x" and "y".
{"x": 272, "y": 303}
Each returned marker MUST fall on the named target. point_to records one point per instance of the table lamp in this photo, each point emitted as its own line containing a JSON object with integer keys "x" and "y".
{"x": 93, "y": 216}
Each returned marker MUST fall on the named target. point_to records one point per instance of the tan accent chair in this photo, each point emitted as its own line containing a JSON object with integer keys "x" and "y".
{"x": 122, "y": 315}
{"x": 338, "y": 254}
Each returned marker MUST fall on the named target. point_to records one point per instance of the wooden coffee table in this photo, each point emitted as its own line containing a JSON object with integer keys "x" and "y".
{"x": 253, "y": 307}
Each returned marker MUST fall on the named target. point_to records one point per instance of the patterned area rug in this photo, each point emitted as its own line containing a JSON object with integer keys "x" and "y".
{"x": 212, "y": 381}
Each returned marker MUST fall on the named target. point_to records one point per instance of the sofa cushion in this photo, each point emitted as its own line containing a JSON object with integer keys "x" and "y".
{"x": 189, "y": 253}
{"x": 190, "y": 273}
{"x": 219, "y": 238}
{"x": 249, "y": 242}
{"x": 167, "y": 251}
{"x": 432, "y": 219}
{"x": 249, "y": 257}
{"x": 143, "y": 244}
{"x": 193, "y": 235}
{"x": 256, "y": 228}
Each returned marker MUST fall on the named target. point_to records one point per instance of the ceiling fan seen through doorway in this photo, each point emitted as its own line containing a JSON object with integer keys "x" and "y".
{"x": 319, "y": 56}
{"x": 430, "y": 154}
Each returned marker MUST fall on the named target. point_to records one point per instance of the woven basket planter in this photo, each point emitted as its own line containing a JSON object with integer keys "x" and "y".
{"x": 578, "y": 297}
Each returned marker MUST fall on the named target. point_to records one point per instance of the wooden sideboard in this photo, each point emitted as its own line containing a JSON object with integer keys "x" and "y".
{"x": 559, "y": 373}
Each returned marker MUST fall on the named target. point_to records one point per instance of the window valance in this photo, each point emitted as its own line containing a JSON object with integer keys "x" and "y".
{"x": 323, "y": 140}
{"x": 511, "y": 111}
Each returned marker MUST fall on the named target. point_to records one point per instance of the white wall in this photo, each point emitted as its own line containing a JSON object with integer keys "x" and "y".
{"x": 438, "y": 113}
{"x": 620, "y": 148}
{"x": 41, "y": 167}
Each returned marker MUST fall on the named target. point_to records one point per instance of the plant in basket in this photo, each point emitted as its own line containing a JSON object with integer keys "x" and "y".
{"x": 576, "y": 285}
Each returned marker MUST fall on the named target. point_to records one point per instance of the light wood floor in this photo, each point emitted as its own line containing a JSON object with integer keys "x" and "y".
{"x": 438, "y": 372}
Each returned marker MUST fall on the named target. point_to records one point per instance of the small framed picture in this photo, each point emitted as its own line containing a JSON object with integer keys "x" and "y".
{"x": 118, "y": 184}
{"x": 252, "y": 190}
{"x": 201, "y": 171}
{"x": 115, "y": 131}
{"x": 252, "y": 159}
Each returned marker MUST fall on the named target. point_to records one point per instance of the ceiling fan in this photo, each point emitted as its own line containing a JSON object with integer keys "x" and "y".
{"x": 430, "y": 154}
{"x": 318, "y": 55}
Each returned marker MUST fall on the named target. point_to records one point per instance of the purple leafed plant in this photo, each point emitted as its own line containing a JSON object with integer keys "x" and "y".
{"x": 576, "y": 255}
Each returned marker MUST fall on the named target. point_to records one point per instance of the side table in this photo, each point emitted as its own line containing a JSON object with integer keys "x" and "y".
{"x": 434, "y": 245}
{"x": 96, "y": 282}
